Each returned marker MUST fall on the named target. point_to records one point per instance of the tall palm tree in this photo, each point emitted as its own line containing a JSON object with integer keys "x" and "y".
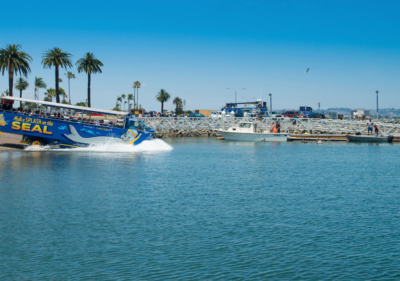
{"x": 50, "y": 94}
{"x": 162, "y": 97}
{"x": 21, "y": 85}
{"x": 134, "y": 95}
{"x": 39, "y": 83}
{"x": 130, "y": 97}
{"x": 57, "y": 58}
{"x": 70, "y": 76}
{"x": 14, "y": 61}
{"x": 123, "y": 96}
{"x": 89, "y": 64}
{"x": 178, "y": 105}
{"x": 137, "y": 86}
{"x": 119, "y": 99}
{"x": 62, "y": 94}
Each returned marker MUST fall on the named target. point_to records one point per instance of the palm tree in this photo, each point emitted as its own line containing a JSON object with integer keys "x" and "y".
{"x": 137, "y": 86}
{"x": 123, "y": 96}
{"x": 63, "y": 94}
{"x": 90, "y": 65}
{"x": 39, "y": 83}
{"x": 130, "y": 97}
{"x": 21, "y": 85}
{"x": 70, "y": 76}
{"x": 6, "y": 93}
{"x": 14, "y": 60}
{"x": 50, "y": 94}
{"x": 178, "y": 104}
{"x": 162, "y": 97}
{"x": 125, "y": 102}
{"x": 119, "y": 99}
{"x": 56, "y": 57}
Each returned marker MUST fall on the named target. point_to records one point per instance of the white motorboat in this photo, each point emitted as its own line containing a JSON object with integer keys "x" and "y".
{"x": 247, "y": 131}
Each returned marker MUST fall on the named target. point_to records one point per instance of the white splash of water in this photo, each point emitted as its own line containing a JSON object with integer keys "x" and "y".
{"x": 146, "y": 146}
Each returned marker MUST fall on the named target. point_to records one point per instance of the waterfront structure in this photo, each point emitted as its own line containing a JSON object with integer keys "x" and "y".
{"x": 39, "y": 129}
{"x": 287, "y": 124}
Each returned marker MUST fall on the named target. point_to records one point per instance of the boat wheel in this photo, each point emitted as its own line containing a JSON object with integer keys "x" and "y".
{"x": 36, "y": 143}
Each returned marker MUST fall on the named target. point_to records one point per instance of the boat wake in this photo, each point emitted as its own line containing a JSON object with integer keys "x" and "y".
{"x": 146, "y": 146}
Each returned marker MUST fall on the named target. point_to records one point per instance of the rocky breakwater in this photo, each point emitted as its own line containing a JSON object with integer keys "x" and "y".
{"x": 185, "y": 133}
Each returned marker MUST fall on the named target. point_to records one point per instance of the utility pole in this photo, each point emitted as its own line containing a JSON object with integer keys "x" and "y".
{"x": 319, "y": 108}
{"x": 377, "y": 108}
{"x": 270, "y": 102}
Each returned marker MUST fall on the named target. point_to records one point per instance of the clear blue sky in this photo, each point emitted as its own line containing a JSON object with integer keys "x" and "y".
{"x": 197, "y": 49}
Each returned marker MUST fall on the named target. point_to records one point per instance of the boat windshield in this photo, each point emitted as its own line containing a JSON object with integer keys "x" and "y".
{"x": 137, "y": 125}
{"x": 245, "y": 125}
{"x": 144, "y": 125}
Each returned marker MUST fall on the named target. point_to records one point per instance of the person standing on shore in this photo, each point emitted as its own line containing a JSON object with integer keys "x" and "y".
{"x": 376, "y": 130}
{"x": 369, "y": 124}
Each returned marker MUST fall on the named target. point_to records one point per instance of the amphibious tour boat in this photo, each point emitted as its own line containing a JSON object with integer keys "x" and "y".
{"x": 56, "y": 129}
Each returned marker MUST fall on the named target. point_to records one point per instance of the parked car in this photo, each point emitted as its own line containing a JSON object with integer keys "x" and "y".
{"x": 276, "y": 114}
{"x": 291, "y": 114}
{"x": 147, "y": 114}
{"x": 195, "y": 115}
{"x": 153, "y": 113}
{"x": 316, "y": 115}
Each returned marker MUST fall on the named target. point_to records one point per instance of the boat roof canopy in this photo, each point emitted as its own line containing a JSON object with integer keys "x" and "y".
{"x": 67, "y": 106}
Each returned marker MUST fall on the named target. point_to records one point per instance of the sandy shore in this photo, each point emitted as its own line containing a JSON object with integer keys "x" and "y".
{"x": 10, "y": 142}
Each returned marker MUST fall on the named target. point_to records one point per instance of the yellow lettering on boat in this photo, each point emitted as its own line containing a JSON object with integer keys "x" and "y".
{"x": 26, "y": 127}
{"x": 16, "y": 126}
{"x": 50, "y": 123}
{"x": 36, "y": 129}
{"x": 45, "y": 131}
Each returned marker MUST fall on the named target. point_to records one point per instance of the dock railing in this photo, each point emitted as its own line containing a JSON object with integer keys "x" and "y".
{"x": 287, "y": 124}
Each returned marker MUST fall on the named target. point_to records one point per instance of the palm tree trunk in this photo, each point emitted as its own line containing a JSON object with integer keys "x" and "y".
{"x": 10, "y": 80}
{"x": 162, "y": 107}
{"x": 138, "y": 98}
{"x": 20, "y": 95}
{"x": 69, "y": 90}
{"x": 88, "y": 90}
{"x": 57, "y": 93}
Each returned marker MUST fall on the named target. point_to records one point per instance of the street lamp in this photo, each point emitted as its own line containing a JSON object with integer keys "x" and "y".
{"x": 270, "y": 102}
{"x": 235, "y": 91}
{"x": 377, "y": 110}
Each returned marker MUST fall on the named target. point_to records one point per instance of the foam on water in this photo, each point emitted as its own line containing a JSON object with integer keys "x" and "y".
{"x": 146, "y": 146}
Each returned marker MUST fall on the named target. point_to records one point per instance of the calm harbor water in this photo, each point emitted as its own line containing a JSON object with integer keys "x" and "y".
{"x": 202, "y": 209}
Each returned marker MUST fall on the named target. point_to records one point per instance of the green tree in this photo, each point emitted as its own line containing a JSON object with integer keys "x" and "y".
{"x": 130, "y": 97}
{"x": 21, "y": 85}
{"x": 14, "y": 61}
{"x": 39, "y": 83}
{"x": 136, "y": 86}
{"x": 50, "y": 94}
{"x": 123, "y": 96}
{"x": 6, "y": 93}
{"x": 116, "y": 108}
{"x": 63, "y": 94}
{"x": 57, "y": 58}
{"x": 119, "y": 99}
{"x": 178, "y": 105}
{"x": 89, "y": 64}
{"x": 162, "y": 97}
{"x": 81, "y": 103}
{"x": 70, "y": 76}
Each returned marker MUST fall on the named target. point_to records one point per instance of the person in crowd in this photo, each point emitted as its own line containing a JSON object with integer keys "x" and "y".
{"x": 369, "y": 124}
{"x": 376, "y": 130}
